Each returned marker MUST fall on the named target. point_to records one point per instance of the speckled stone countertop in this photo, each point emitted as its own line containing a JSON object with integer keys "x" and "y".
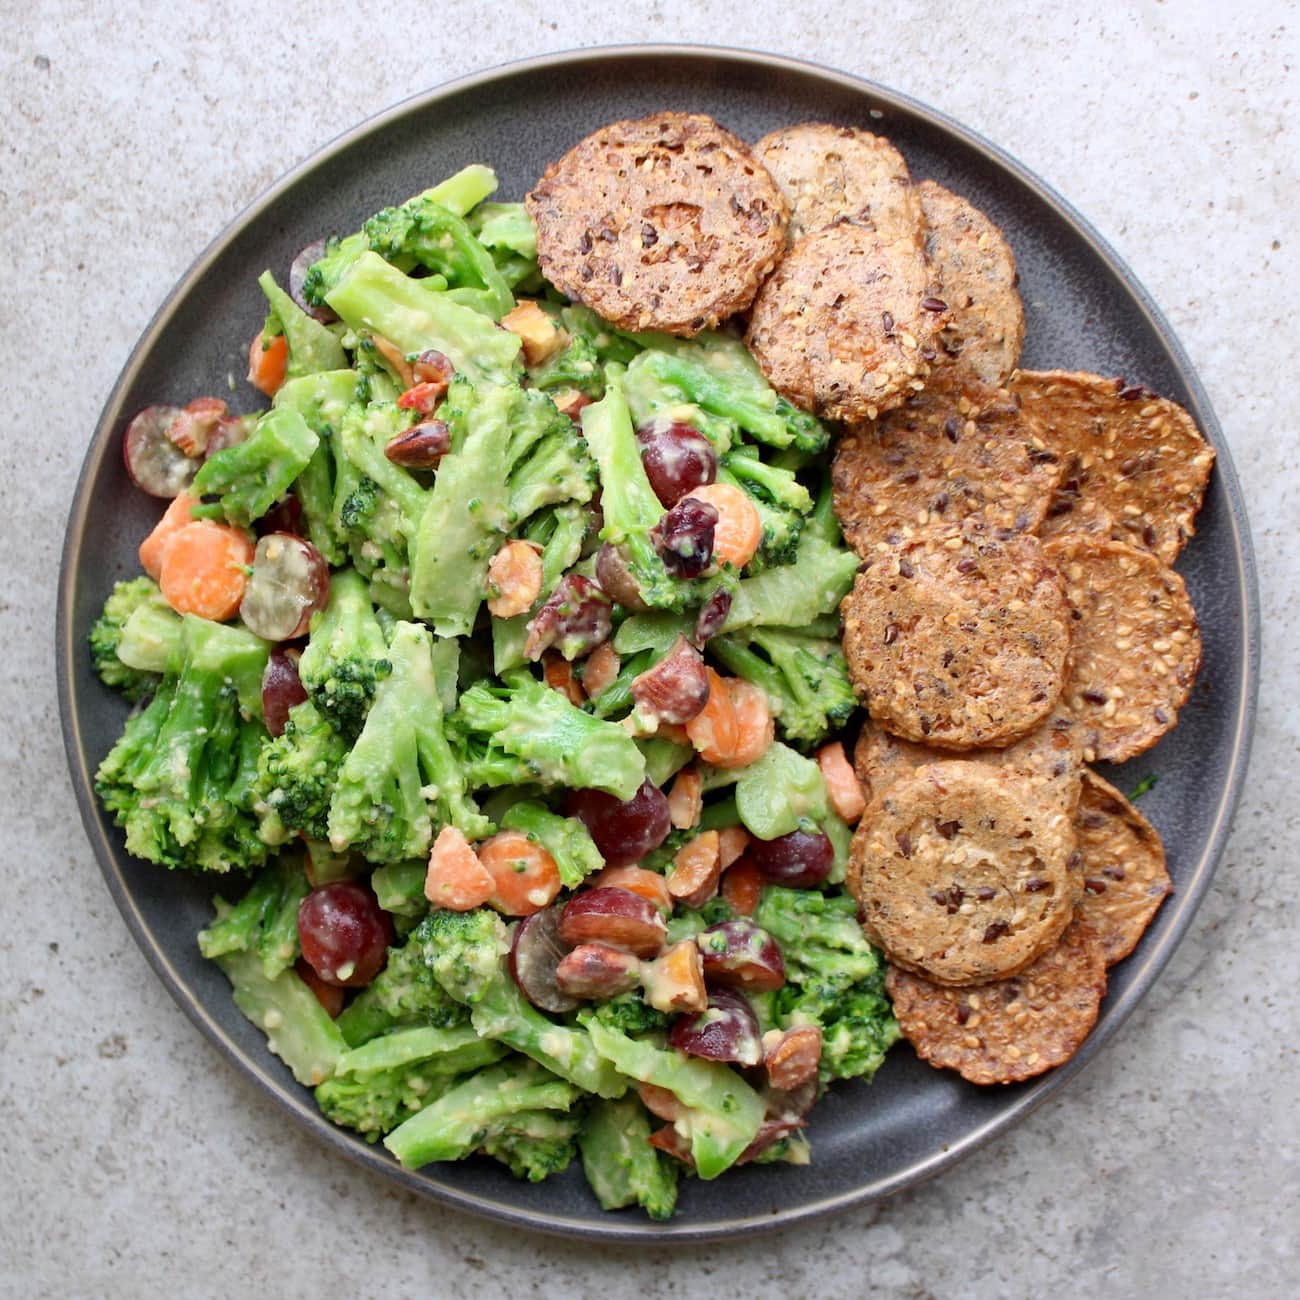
{"x": 134, "y": 1161}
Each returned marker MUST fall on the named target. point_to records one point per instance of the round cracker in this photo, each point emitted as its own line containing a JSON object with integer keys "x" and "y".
{"x": 1013, "y": 1029}
{"x": 1123, "y": 862}
{"x": 826, "y": 172}
{"x": 841, "y": 327}
{"x": 1135, "y": 465}
{"x": 1048, "y": 758}
{"x": 977, "y": 277}
{"x": 961, "y": 874}
{"x": 958, "y": 640}
{"x": 959, "y": 450}
{"x": 1136, "y": 645}
{"x": 666, "y": 222}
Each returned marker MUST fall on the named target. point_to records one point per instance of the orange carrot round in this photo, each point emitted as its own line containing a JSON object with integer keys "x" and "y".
{"x": 268, "y": 359}
{"x": 456, "y": 879}
{"x": 524, "y": 876}
{"x": 755, "y": 729}
{"x": 154, "y": 547}
{"x": 739, "y": 529}
{"x": 205, "y": 570}
{"x": 842, "y": 785}
{"x": 713, "y": 730}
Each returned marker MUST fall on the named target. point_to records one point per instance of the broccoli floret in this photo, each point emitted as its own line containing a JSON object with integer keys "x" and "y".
{"x": 376, "y": 1087}
{"x": 433, "y": 236}
{"x": 466, "y": 952}
{"x": 630, "y": 1014}
{"x": 722, "y": 1112}
{"x": 297, "y": 773}
{"x": 298, "y": 1029}
{"x": 399, "y": 887}
{"x": 521, "y": 732}
{"x": 401, "y": 775}
{"x": 576, "y": 366}
{"x": 566, "y": 839}
{"x": 512, "y": 453}
{"x": 612, "y": 346}
{"x": 123, "y": 602}
{"x": 181, "y": 780}
{"x": 346, "y": 655}
{"x": 622, "y": 1167}
{"x": 534, "y": 1144}
{"x": 476, "y": 1110}
{"x": 630, "y": 506}
{"x": 264, "y": 922}
{"x": 246, "y": 480}
{"x": 781, "y": 500}
{"x": 405, "y": 992}
{"x": 836, "y": 979}
{"x": 805, "y": 679}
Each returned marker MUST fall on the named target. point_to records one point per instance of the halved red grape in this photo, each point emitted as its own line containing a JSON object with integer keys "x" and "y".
{"x": 298, "y": 269}
{"x": 798, "y": 860}
{"x": 677, "y": 458}
{"x": 597, "y": 970}
{"x": 154, "y": 462}
{"x": 684, "y": 537}
{"x": 613, "y": 916}
{"x": 675, "y": 689}
{"x": 289, "y": 583}
{"x": 330, "y": 996}
{"x": 535, "y": 956}
{"x": 739, "y": 954}
{"x": 624, "y": 830}
{"x": 283, "y": 517}
{"x": 344, "y": 933}
{"x": 282, "y": 688}
{"x": 727, "y": 1031}
{"x": 574, "y": 618}
{"x": 616, "y": 578}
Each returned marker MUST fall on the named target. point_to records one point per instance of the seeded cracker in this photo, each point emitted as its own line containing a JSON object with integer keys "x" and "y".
{"x": 1013, "y": 1029}
{"x": 1123, "y": 860}
{"x": 666, "y": 223}
{"x": 826, "y": 172}
{"x": 1135, "y": 649}
{"x": 959, "y": 876}
{"x": 1134, "y": 465}
{"x": 959, "y": 450}
{"x": 847, "y": 325}
{"x": 958, "y": 640}
{"x": 977, "y": 276}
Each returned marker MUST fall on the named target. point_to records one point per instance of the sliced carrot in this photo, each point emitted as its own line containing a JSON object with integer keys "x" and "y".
{"x": 557, "y": 672}
{"x": 686, "y": 799}
{"x": 636, "y": 880}
{"x": 713, "y": 730}
{"x": 742, "y": 887}
{"x": 600, "y": 669}
{"x": 696, "y": 869}
{"x": 456, "y": 879}
{"x": 674, "y": 981}
{"x": 268, "y": 359}
{"x": 154, "y": 547}
{"x": 739, "y": 529}
{"x": 524, "y": 876}
{"x": 755, "y": 729}
{"x": 514, "y": 578}
{"x": 205, "y": 570}
{"x": 842, "y": 785}
{"x": 732, "y": 842}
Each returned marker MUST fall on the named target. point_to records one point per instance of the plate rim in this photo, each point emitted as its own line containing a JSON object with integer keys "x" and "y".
{"x": 604, "y": 1226}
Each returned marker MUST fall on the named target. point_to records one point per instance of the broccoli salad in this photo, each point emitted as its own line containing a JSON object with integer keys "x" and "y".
{"x": 496, "y": 666}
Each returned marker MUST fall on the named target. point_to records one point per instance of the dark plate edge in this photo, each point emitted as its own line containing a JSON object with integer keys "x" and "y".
{"x": 1116, "y": 1013}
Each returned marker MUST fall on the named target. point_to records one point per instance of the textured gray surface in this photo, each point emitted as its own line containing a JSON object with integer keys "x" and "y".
{"x": 137, "y": 1163}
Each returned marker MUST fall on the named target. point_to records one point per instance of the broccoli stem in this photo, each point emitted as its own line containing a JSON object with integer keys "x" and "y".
{"x": 376, "y": 298}
{"x": 312, "y": 347}
{"x": 264, "y": 922}
{"x": 780, "y": 791}
{"x": 696, "y": 384}
{"x": 455, "y": 1125}
{"x": 792, "y": 595}
{"x": 622, "y": 1167}
{"x": 152, "y": 638}
{"x": 298, "y": 1029}
{"x": 724, "y": 1112}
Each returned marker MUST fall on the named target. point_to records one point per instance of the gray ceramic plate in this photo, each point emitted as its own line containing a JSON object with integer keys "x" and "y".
{"x": 1085, "y": 311}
